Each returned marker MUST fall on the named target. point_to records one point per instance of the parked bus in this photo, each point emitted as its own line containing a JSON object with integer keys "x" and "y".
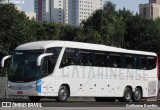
{"x": 63, "y": 69}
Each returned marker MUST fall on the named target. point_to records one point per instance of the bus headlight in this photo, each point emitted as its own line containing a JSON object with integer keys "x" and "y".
{"x": 9, "y": 86}
{"x": 33, "y": 85}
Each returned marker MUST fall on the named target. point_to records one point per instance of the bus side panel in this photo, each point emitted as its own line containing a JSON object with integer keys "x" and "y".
{"x": 105, "y": 82}
{"x": 88, "y": 81}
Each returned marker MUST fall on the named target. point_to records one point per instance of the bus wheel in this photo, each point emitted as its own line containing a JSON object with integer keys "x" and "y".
{"x": 137, "y": 95}
{"x": 34, "y": 98}
{"x": 63, "y": 94}
{"x": 127, "y": 96}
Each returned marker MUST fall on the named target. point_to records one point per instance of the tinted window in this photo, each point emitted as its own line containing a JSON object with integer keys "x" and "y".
{"x": 69, "y": 57}
{"x": 85, "y": 58}
{"x": 54, "y": 50}
{"x": 115, "y": 60}
{"x": 49, "y": 62}
{"x": 100, "y": 59}
{"x": 129, "y": 61}
{"x": 48, "y": 65}
{"x": 143, "y": 62}
{"x": 24, "y": 65}
{"x": 137, "y": 60}
{"x": 151, "y": 62}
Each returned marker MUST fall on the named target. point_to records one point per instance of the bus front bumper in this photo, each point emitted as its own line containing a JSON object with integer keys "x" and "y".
{"x": 24, "y": 89}
{"x": 29, "y": 92}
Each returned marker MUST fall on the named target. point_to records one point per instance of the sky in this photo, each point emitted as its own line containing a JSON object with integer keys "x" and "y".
{"x": 132, "y": 5}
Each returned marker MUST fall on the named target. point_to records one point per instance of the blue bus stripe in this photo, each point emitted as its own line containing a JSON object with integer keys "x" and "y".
{"x": 38, "y": 87}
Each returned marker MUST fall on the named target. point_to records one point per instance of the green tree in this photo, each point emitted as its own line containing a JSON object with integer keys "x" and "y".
{"x": 14, "y": 28}
{"x": 108, "y": 25}
{"x": 157, "y": 22}
{"x": 47, "y": 31}
{"x": 141, "y": 34}
{"x": 80, "y": 35}
{"x": 1, "y": 1}
{"x": 68, "y": 32}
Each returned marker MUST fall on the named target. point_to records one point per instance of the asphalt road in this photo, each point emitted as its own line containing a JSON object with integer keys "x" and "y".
{"x": 84, "y": 105}
{"x": 99, "y": 104}
{"x": 81, "y": 104}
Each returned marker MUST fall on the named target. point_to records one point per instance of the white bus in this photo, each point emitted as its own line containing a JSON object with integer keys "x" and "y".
{"x": 63, "y": 69}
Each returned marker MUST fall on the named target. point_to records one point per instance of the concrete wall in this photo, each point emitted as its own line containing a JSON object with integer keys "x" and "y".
{"x": 145, "y": 10}
{"x": 154, "y": 1}
{"x": 3, "y": 87}
{"x": 155, "y": 12}
{"x": 3, "y": 91}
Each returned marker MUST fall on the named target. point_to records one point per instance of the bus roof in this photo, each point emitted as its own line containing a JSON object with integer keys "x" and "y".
{"x": 80, "y": 45}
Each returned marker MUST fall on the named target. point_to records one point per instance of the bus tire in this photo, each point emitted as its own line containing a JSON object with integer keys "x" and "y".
{"x": 34, "y": 98}
{"x": 137, "y": 95}
{"x": 127, "y": 95}
{"x": 63, "y": 94}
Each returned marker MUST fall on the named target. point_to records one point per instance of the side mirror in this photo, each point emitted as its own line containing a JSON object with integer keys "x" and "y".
{"x": 3, "y": 60}
{"x": 39, "y": 59}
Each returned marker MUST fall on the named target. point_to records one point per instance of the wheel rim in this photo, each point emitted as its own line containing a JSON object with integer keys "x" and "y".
{"x": 137, "y": 94}
{"x": 62, "y": 94}
{"x": 127, "y": 95}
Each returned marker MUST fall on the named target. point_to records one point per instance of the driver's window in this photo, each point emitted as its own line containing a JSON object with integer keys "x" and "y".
{"x": 69, "y": 58}
{"x": 48, "y": 65}
{"x": 49, "y": 62}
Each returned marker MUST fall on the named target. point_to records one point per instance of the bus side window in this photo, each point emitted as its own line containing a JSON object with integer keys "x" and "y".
{"x": 85, "y": 58}
{"x": 129, "y": 61}
{"x": 100, "y": 59}
{"x": 48, "y": 65}
{"x": 69, "y": 58}
{"x": 50, "y": 61}
{"x": 151, "y": 62}
{"x": 115, "y": 60}
{"x": 138, "y": 64}
{"x": 142, "y": 63}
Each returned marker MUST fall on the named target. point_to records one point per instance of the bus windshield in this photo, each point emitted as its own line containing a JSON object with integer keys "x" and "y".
{"x": 24, "y": 65}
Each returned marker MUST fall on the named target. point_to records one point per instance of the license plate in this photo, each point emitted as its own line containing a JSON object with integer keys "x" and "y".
{"x": 19, "y": 92}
